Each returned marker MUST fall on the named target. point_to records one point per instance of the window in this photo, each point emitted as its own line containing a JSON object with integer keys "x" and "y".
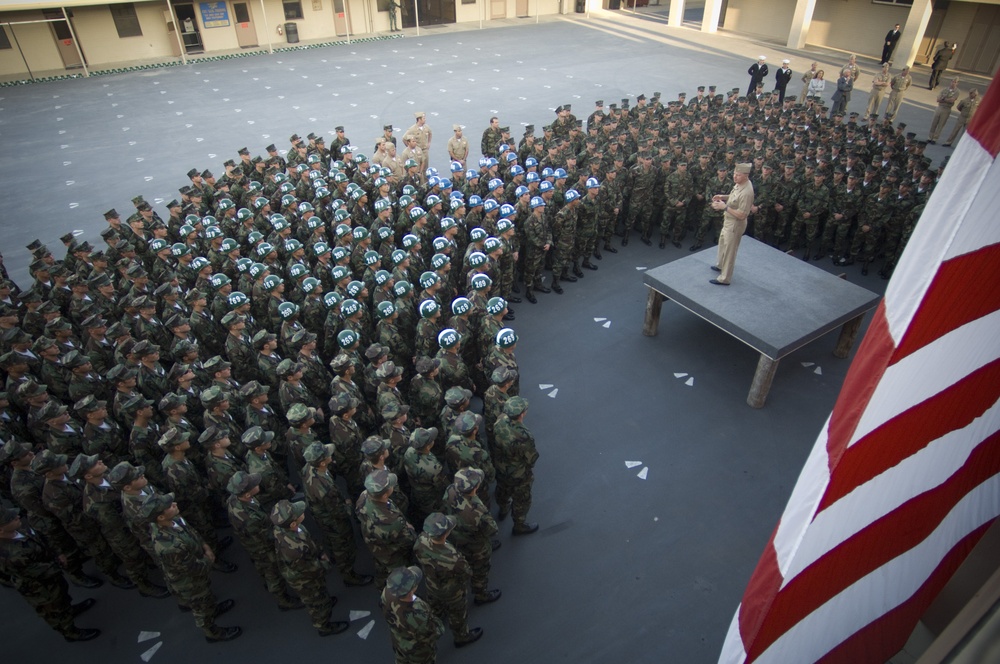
{"x": 293, "y": 9}
{"x": 4, "y": 39}
{"x": 126, "y": 22}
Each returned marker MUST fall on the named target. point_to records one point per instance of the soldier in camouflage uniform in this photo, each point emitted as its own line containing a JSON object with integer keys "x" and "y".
{"x": 332, "y": 511}
{"x": 252, "y": 524}
{"x": 564, "y": 237}
{"x": 502, "y": 380}
{"x": 413, "y": 626}
{"x": 845, "y": 204}
{"x": 426, "y": 395}
{"x": 186, "y": 562}
{"x": 303, "y": 565}
{"x": 678, "y": 190}
{"x": 811, "y": 207}
{"x": 711, "y": 221}
{"x": 386, "y": 531}
{"x": 538, "y": 240}
{"x": 102, "y": 502}
{"x": 642, "y": 197}
{"x": 447, "y": 575}
{"x": 427, "y": 476}
{"x": 31, "y": 567}
{"x": 516, "y": 457}
{"x": 474, "y": 530}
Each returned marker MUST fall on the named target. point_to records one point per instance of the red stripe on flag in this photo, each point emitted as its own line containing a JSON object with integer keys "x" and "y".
{"x": 875, "y": 545}
{"x": 862, "y": 379}
{"x": 912, "y": 430}
{"x": 760, "y": 592}
{"x": 964, "y": 289}
{"x": 886, "y": 636}
{"x": 985, "y": 124}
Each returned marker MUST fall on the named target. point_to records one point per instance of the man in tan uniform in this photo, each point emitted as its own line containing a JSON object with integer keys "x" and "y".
{"x": 945, "y": 101}
{"x": 735, "y": 207}
{"x": 458, "y": 146}
{"x": 879, "y": 85}
{"x": 966, "y": 108}
{"x": 422, "y": 133}
{"x": 898, "y": 85}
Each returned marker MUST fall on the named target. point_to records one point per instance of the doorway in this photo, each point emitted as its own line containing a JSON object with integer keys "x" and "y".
{"x": 522, "y": 8}
{"x": 498, "y": 9}
{"x": 190, "y": 34}
{"x": 339, "y": 18}
{"x": 437, "y": 12}
{"x": 981, "y": 51}
{"x": 246, "y": 33}
{"x": 64, "y": 38}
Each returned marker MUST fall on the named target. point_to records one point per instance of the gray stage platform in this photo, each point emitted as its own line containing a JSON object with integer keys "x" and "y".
{"x": 776, "y": 304}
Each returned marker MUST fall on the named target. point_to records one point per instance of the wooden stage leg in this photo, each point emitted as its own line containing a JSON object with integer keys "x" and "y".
{"x": 653, "y": 305}
{"x": 848, "y": 334}
{"x": 762, "y": 381}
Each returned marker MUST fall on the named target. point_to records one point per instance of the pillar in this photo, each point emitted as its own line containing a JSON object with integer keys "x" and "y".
{"x": 913, "y": 32}
{"x": 801, "y": 20}
{"x": 676, "y": 14}
{"x": 710, "y": 22}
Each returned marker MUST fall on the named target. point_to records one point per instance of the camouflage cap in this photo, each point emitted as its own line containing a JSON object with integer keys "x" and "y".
{"x": 256, "y": 436}
{"x": 456, "y": 395}
{"x": 425, "y": 365}
{"x": 375, "y": 351}
{"x": 253, "y": 389}
{"x": 467, "y": 422}
{"x": 437, "y": 524}
{"x": 373, "y": 446}
{"x": 467, "y": 479}
{"x": 51, "y": 410}
{"x": 212, "y": 435}
{"x": 502, "y": 374}
{"x": 388, "y": 369}
{"x": 75, "y": 359}
{"x": 8, "y": 515}
{"x": 30, "y": 389}
{"x": 421, "y": 437}
{"x": 403, "y": 580}
{"x": 242, "y": 481}
{"x": 13, "y": 450}
{"x": 317, "y": 452}
{"x": 262, "y": 338}
{"x": 299, "y": 413}
{"x": 340, "y": 363}
{"x": 155, "y": 504}
{"x": 172, "y": 400}
{"x": 515, "y": 406}
{"x": 379, "y": 481}
{"x": 135, "y": 403}
{"x": 89, "y": 404}
{"x": 393, "y": 410}
{"x": 341, "y": 403}
{"x": 82, "y": 464}
{"x": 285, "y": 511}
{"x": 212, "y": 397}
{"x": 46, "y": 461}
{"x": 124, "y": 473}
{"x": 173, "y": 438}
{"x": 287, "y": 367}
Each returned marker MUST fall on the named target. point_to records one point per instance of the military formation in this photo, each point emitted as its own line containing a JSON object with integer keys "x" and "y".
{"x": 297, "y": 349}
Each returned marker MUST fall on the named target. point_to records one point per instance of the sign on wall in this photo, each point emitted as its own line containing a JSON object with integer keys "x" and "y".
{"x": 214, "y": 14}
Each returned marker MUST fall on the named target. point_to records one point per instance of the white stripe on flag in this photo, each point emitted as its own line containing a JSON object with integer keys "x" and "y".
{"x": 885, "y": 588}
{"x": 915, "y": 475}
{"x": 976, "y": 167}
{"x": 949, "y": 359}
{"x": 933, "y": 238}
{"x": 803, "y": 502}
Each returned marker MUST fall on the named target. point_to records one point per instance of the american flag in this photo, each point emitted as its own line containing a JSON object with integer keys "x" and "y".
{"x": 904, "y": 478}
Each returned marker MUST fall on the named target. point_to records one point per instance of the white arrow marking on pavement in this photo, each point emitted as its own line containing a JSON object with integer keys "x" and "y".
{"x": 211, "y": 156}
{"x": 641, "y": 268}
{"x": 77, "y": 233}
{"x": 818, "y": 371}
{"x": 199, "y": 139}
{"x": 689, "y": 382}
{"x": 553, "y": 393}
{"x": 644, "y": 473}
{"x": 366, "y": 630}
{"x": 632, "y": 464}
{"x": 598, "y": 320}
{"x": 808, "y": 364}
{"x": 149, "y": 178}
{"x": 148, "y": 655}
{"x": 607, "y": 325}
{"x": 188, "y": 126}
{"x": 358, "y": 615}
{"x": 157, "y": 201}
{"x": 62, "y": 131}
{"x": 70, "y": 183}
{"x": 131, "y": 143}
{"x": 73, "y": 206}
{"x": 147, "y": 636}
{"x": 138, "y": 159}
{"x": 67, "y": 163}
{"x": 544, "y": 386}
{"x": 680, "y": 375}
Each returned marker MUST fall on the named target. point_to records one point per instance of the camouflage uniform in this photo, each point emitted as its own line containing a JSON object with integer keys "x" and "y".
{"x": 333, "y": 514}
{"x": 304, "y": 571}
{"x": 516, "y": 457}
{"x": 472, "y": 535}
{"x": 181, "y": 554}
{"x": 447, "y": 575}
{"x": 428, "y": 480}
{"x": 31, "y": 566}
{"x": 387, "y": 533}
{"x": 252, "y": 525}
{"x": 414, "y": 629}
